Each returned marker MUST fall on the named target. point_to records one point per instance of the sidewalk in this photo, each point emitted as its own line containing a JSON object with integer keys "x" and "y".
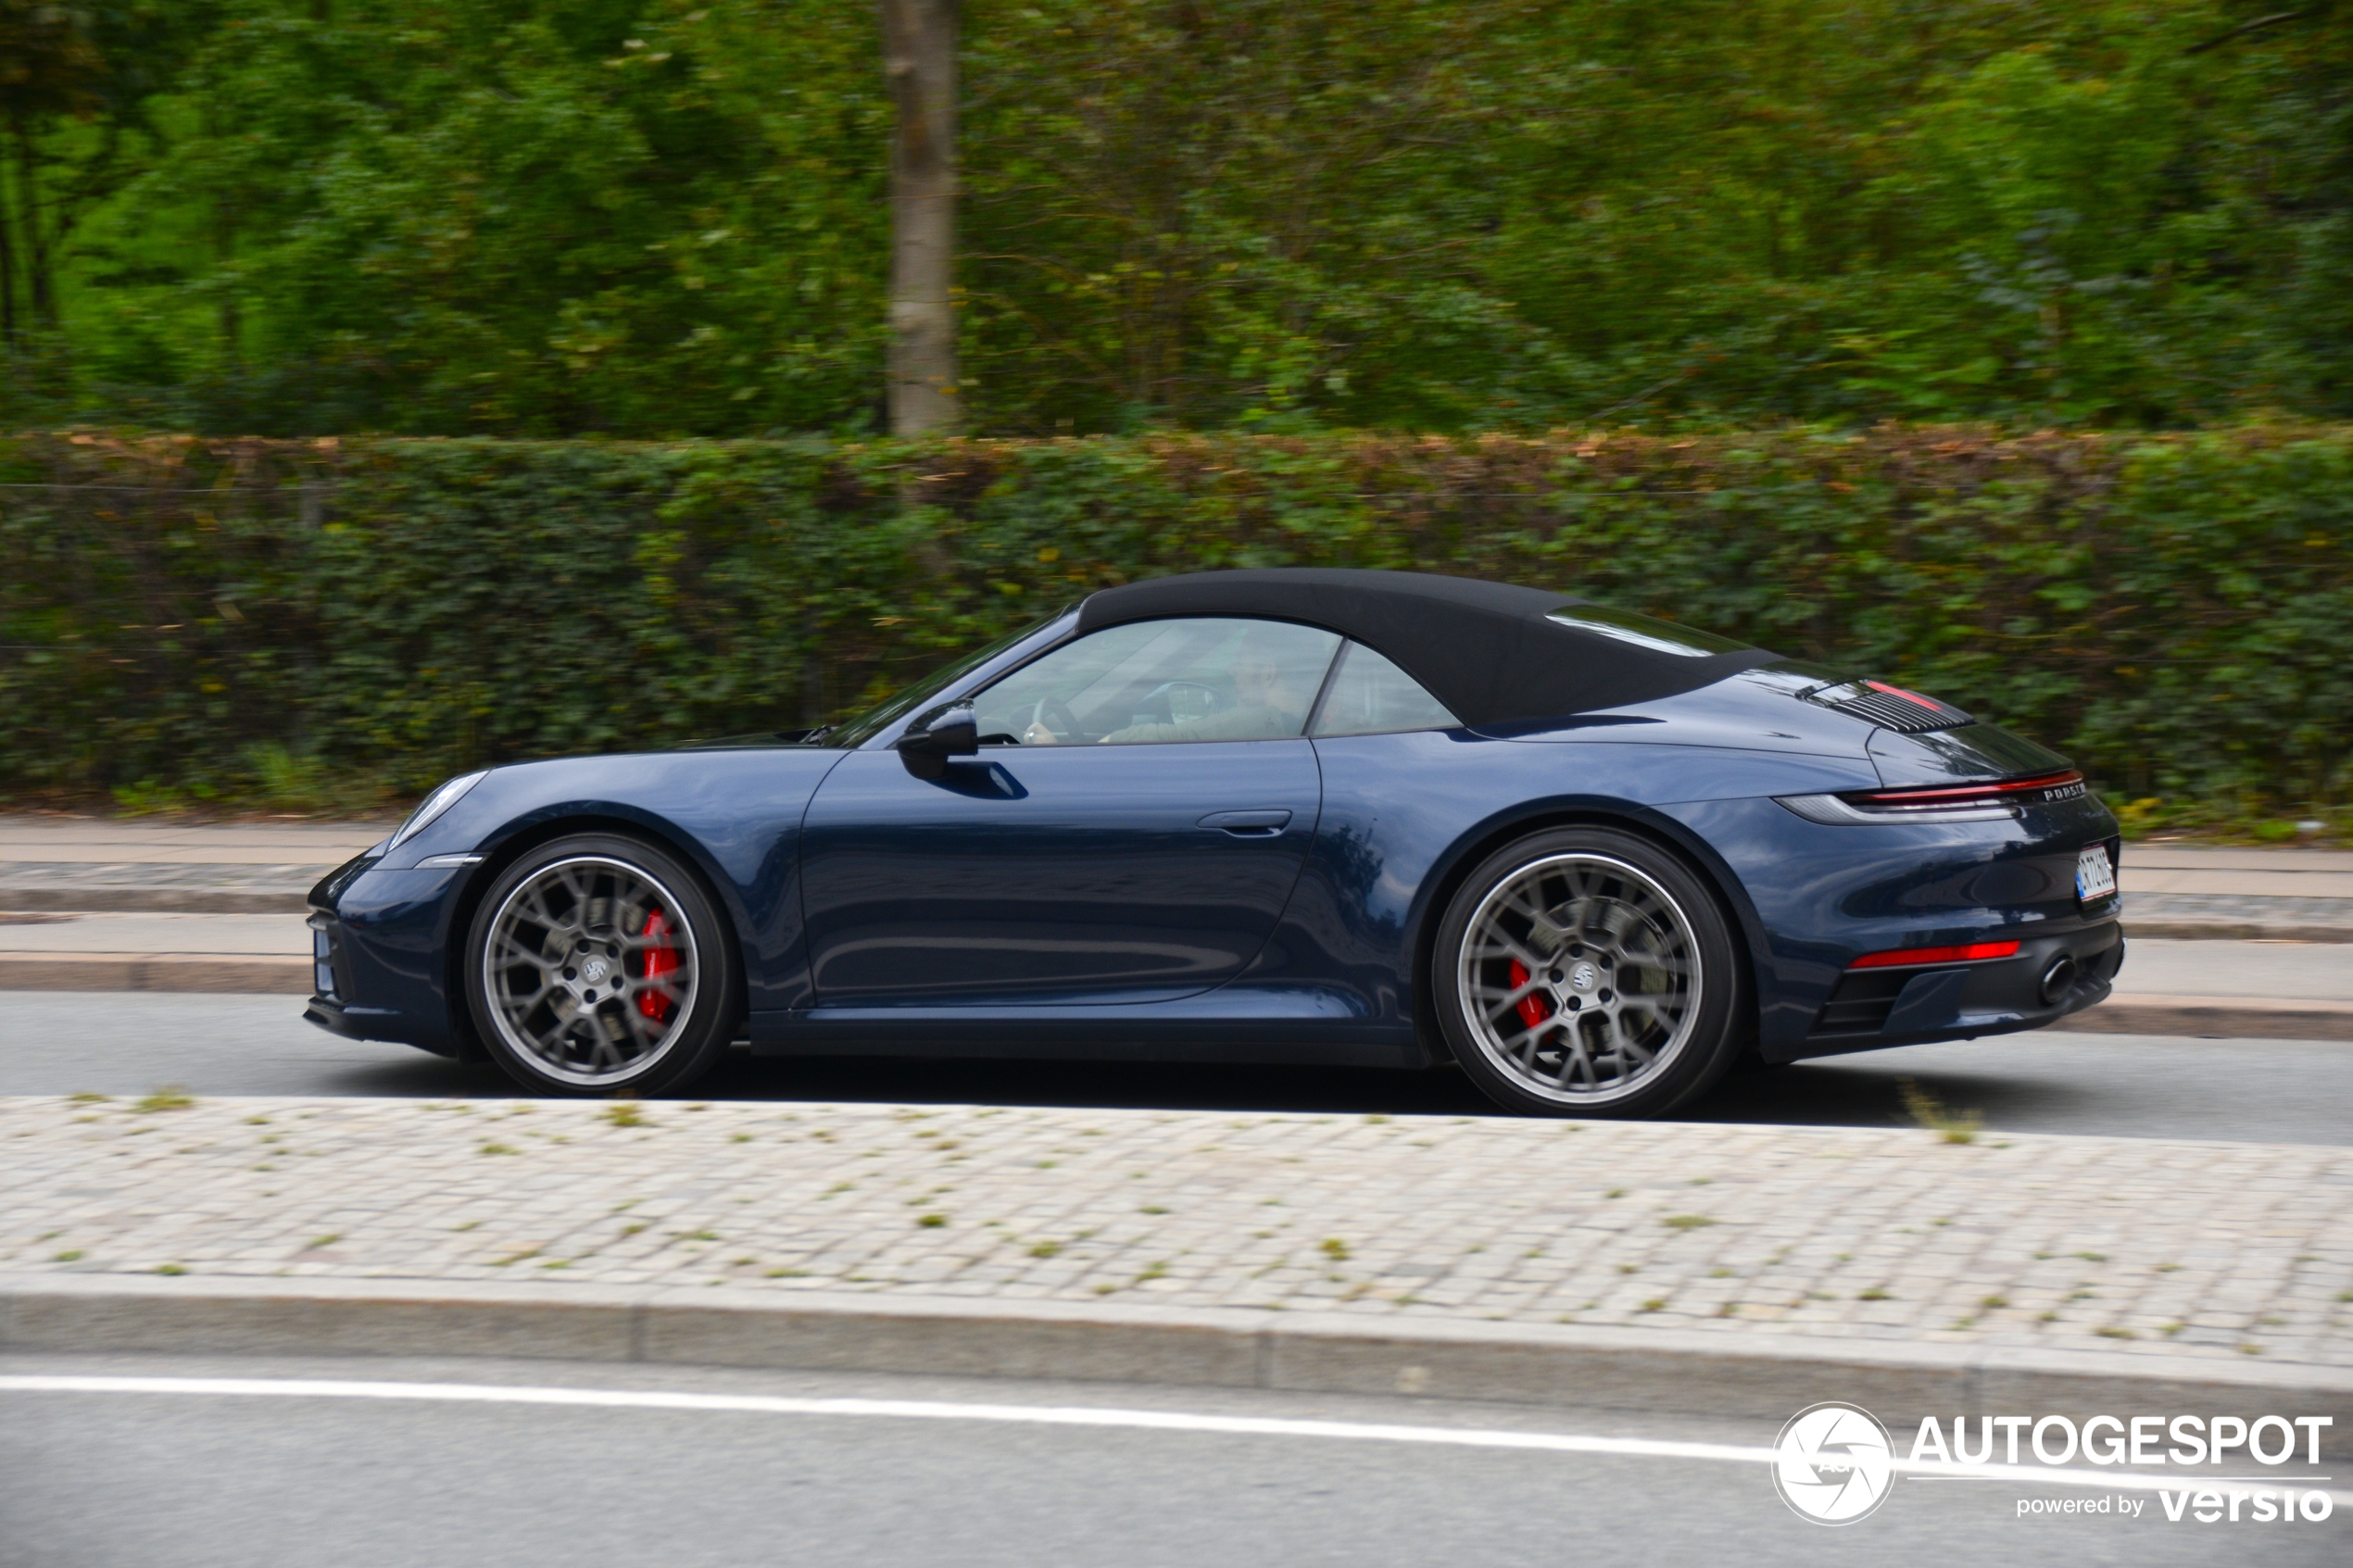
{"x": 1446, "y": 1250}
{"x": 2191, "y": 892}
{"x": 150, "y": 907}
{"x": 54, "y": 863}
{"x": 58, "y": 864}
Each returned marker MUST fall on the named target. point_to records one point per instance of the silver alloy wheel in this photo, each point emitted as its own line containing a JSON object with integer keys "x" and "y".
{"x": 590, "y": 970}
{"x": 1579, "y": 978}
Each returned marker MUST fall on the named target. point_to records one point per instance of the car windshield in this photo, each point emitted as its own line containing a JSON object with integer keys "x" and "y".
{"x": 857, "y": 732}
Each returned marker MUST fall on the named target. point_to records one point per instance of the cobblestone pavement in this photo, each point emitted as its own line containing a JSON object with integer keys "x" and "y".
{"x": 2123, "y": 1246}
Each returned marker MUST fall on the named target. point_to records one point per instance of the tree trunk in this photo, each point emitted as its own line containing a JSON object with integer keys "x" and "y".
{"x": 224, "y": 246}
{"x": 224, "y": 252}
{"x": 919, "y": 60}
{"x": 40, "y": 304}
{"x": 7, "y": 275}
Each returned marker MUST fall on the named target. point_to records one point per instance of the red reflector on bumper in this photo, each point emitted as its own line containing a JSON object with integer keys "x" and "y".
{"x": 1903, "y": 956}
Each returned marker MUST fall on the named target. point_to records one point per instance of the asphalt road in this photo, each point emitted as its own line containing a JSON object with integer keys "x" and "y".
{"x": 193, "y": 1479}
{"x": 2276, "y": 1091}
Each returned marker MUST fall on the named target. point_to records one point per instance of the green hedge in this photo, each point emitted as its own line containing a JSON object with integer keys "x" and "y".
{"x": 254, "y": 620}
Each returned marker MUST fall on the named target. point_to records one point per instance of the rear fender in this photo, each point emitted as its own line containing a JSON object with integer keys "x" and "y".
{"x": 1654, "y": 823}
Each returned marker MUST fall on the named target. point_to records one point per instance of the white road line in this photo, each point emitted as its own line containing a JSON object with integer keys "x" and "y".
{"x": 1086, "y": 1415}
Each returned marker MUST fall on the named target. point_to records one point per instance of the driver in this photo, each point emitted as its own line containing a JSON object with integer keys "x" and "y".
{"x": 1267, "y": 706}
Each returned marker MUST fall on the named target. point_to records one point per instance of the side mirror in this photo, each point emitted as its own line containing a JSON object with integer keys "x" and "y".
{"x": 932, "y": 739}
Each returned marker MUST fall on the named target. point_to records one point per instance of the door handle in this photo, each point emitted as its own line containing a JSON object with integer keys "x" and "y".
{"x": 1247, "y": 824}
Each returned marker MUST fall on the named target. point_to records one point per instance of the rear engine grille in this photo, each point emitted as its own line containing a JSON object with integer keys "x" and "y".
{"x": 1892, "y": 706}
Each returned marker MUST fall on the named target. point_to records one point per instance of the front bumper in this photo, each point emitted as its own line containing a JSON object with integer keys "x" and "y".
{"x": 379, "y": 940}
{"x": 376, "y": 1023}
{"x": 1874, "y": 1007}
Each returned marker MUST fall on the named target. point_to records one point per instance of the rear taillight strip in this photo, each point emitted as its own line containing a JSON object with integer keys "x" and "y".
{"x": 1832, "y": 810}
{"x": 1956, "y": 794}
{"x": 1905, "y": 958}
{"x": 1994, "y": 800}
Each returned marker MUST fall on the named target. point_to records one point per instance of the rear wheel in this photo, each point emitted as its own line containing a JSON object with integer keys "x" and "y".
{"x": 595, "y": 964}
{"x": 1584, "y": 972}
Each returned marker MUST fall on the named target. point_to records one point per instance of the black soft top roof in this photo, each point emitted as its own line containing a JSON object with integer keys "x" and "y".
{"x": 1489, "y": 651}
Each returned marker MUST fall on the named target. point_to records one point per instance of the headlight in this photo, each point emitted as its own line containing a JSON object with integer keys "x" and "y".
{"x": 433, "y": 805}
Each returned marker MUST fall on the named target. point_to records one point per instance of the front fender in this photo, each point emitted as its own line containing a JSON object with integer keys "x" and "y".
{"x": 733, "y": 815}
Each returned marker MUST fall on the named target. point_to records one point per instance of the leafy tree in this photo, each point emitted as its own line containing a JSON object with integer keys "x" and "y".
{"x": 530, "y": 218}
{"x": 76, "y": 84}
{"x": 661, "y": 217}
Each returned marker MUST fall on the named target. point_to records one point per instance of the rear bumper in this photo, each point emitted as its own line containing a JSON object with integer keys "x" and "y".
{"x": 2049, "y": 977}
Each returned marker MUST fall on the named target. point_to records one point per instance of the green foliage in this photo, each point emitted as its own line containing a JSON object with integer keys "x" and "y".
{"x": 78, "y": 86}
{"x": 304, "y": 620}
{"x": 471, "y": 215}
{"x": 657, "y": 218}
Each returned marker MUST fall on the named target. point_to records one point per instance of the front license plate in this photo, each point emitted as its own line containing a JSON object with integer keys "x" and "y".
{"x": 2095, "y": 878}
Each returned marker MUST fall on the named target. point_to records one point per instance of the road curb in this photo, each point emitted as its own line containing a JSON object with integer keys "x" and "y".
{"x": 44, "y": 898}
{"x": 2217, "y": 1017}
{"x": 1752, "y": 1375}
{"x": 40, "y": 899}
{"x": 2236, "y": 930}
{"x": 114, "y": 972}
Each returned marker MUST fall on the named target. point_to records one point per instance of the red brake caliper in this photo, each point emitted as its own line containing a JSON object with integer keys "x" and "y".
{"x": 1534, "y": 1007}
{"x": 660, "y": 961}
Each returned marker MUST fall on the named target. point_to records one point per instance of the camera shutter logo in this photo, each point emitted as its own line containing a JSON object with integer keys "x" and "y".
{"x": 1833, "y": 1463}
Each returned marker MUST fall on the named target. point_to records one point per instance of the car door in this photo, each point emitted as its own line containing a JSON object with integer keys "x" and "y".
{"x": 1139, "y": 846}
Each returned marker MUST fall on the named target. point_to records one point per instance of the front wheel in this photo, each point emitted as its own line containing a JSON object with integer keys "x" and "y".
{"x": 595, "y": 964}
{"x": 1584, "y": 972}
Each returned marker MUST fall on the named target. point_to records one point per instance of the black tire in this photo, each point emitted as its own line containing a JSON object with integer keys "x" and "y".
{"x": 598, "y": 965}
{"x": 1588, "y": 972}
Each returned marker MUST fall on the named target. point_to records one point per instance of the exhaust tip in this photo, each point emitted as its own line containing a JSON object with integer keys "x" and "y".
{"x": 2057, "y": 980}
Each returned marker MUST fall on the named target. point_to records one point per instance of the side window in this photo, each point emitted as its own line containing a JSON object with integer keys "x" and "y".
{"x": 1196, "y": 678}
{"x": 1372, "y": 696}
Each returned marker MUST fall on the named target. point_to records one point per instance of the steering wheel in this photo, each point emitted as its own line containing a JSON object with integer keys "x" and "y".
{"x": 1058, "y": 719}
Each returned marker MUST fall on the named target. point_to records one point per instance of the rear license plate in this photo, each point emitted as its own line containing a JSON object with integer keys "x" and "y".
{"x": 2095, "y": 878}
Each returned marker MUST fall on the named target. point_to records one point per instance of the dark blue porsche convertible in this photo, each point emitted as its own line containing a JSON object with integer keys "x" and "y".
{"x": 1368, "y": 818}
